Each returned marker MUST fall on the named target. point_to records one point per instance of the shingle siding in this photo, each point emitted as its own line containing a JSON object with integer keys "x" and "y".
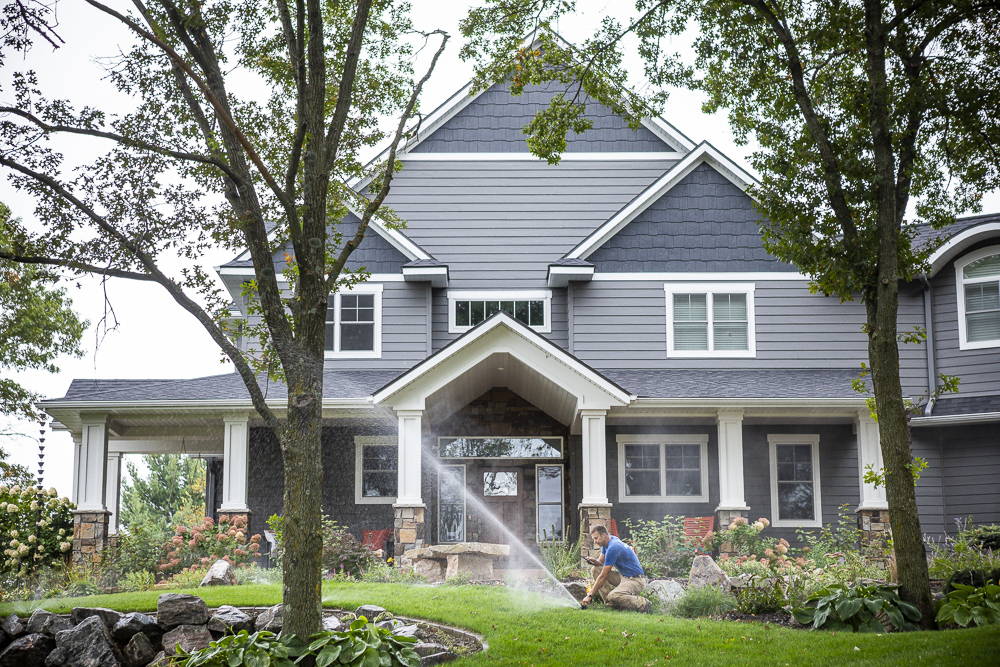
{"x": 704, "y": 223}
{"x": 495, "y": 120}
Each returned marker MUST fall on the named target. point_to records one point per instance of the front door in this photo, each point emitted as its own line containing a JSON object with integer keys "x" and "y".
{"x": 501, "y": 489}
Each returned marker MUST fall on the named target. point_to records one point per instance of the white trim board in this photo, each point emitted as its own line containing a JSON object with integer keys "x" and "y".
{"x": 360, "y": 442}
{"x": 373, "y": 289}
{"x": 663, "y": 440}
{"x": 528, "y": 157}
{"x": 811, "y": 439}
{"x": 703, "y": 153}
{"x": 959, "y": 242}
{"x": 960, "y": 284}
{"x": 762, "y": 276}
{"x": 710, "y": 290}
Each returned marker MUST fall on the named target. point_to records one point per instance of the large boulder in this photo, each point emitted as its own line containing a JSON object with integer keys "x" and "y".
{"x": 47, "y": 623}
{"x": 139, "y": 651}
{"x": 667, "y": 590}
{"x": 470, "y": 565}
{"x": 332, "y": 624}
{"x": 229, "y": 619}
{"x": 442, "y": 551}
{"x": 430, "y": 569}
{"x": 424, "y": 649}
{"x": 576, "y": 589}
{"x": 13, "y": 627}
{"x": 173, "y": 609}
{"x": 706, "y": 572}
{"x": 134, "y": 623}
{"x": 109, "y": 617}
{"x": 270, "y": 619}
{"x": 89, "y": 644}
{"x": 369, "y": 611}
{"x": 405, "y": 631}
{"x": 27, "y": 651}
{"x": 220, "y": 574}
{"x": 189, "y": 637}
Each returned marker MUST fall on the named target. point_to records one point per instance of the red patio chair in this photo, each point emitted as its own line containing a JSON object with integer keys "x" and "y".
{"x": 613, "y": 527}
{"x": 375, "y": 539}
{"x": 697, "y": 527}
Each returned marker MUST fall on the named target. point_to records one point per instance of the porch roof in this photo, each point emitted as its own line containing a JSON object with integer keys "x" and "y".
{"x": 813, "y": 383}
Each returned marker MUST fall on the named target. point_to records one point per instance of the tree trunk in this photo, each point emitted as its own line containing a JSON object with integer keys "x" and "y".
{"x": 302, "y": 537}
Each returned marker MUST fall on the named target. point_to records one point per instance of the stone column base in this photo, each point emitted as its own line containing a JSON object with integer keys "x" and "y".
{"x": 90, "y": 535}
{"x": 723, "y": 518}
{"x": 874, "y": 533}
{"x": 408, "y": 532}
{"x": 591, "y": 516}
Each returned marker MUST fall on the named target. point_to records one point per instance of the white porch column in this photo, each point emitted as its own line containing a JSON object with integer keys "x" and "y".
{"x": 731, "y": 492}
{"x": 409, "y": 457}
{"x": 77, "y": 467}
{"x": 112, "y": 496}
{"x": 869, "y": 454}
{"x": 92, "y": 463}
{"x": 595, "y": 469}
{"x": 235, "y": 458}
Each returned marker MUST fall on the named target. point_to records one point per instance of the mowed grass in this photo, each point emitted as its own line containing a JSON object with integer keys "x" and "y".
{"x": 529, "y": 629}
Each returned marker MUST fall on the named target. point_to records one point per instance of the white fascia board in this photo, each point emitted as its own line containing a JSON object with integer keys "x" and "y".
{"x": 838, "y": 404}
{"x": 704, "y": 152}
{"x": 561, "y": 276}
{"x": 189, "y": 405}
{"x": 977, "y": 418}
{"x": 498, "y": 320}
{"x": 760, "y": 276}
{"x": 959, "y": 242}
{"x": 247, "y": 271}
{"x": 437, "y": 276}
{"x": 528, "y": 157}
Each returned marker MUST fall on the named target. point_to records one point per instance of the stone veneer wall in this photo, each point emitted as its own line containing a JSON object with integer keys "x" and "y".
{"x": 90, "y": 536}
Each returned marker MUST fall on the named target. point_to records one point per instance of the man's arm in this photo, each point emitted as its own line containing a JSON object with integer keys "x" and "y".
{"x": 601, "y": 578}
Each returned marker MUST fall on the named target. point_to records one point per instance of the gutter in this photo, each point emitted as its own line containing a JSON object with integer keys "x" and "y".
{"x": 929, "y": 330}
{"x": 945, "y": 420}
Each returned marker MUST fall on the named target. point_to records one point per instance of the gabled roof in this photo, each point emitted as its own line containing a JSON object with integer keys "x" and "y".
{"x": 703, "y": 153}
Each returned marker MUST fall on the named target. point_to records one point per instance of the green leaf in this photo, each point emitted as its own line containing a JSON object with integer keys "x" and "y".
{"x": 371, "y": 658}
{"x": 821, "y": 615}
{"x": 962, "y": 617}
{"x": 847, "y": 608}
{"x": 328, "y": 655}
{"x": 804, "y": 615}
{"x": 236, "y": 658}
{"x": 874, "y": 604}
{"x": 408, "y": 658}
{"x": 909, "y": 610}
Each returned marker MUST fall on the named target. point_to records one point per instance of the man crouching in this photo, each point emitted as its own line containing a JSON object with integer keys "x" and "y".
{"x": 619, "y": 589}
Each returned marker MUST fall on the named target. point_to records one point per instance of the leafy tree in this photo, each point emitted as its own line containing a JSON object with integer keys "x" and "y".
{"x": 172, "y": 492}
{"x": 249, "y": 118}
{"x": 871, "y": 117}
{"x": 37, "y": 324}
{"x": 12, "y": 474}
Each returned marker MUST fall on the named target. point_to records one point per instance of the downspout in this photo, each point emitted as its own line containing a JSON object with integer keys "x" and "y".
{"x": 929, "y": 328}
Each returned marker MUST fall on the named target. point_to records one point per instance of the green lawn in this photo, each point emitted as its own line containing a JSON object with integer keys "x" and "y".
{"x": 526, "y": 629}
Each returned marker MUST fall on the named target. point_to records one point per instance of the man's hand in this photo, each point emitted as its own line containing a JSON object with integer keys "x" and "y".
{"x": 592, "y": 561}
{"x": 586, "y": 600}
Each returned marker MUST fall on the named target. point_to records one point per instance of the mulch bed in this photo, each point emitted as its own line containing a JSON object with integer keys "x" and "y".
{"x": 778, "y": 618}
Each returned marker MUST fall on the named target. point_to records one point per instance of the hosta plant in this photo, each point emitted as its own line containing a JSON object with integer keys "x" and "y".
{"x": 968, "y": 604}
{"x": 861, "y": 608}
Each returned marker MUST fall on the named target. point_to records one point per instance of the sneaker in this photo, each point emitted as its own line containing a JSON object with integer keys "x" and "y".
{"x": 648, "y": 608}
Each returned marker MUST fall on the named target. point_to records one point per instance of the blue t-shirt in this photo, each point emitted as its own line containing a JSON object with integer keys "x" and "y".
{"x": 622, "y": 557}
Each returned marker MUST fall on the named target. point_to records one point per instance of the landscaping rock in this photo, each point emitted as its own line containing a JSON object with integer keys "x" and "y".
{"x": 109, "y": 617}
{"x": 473, "y": 566}
{"x": 430, "y": 569}
{"x": 160, "y": 660}
{"x": 139, "y": 651}
{"x": 369, "y": 611}
{"x": 390, "y": 624}
{"x": 13, "y": 627}
{"x": 705, "y": 572}
{"x": 473, "y": 548}
{"x": 425, "y": 649}
{"x": 667, "y": 590}
{"x": 133, "y": 623}
{"x": 438, "y": 659}
{"x": 28, "y": 651}
{"x": 576, "y": 589}
{"x": 230, "y": 619}
{"x": 270, "y": 619}
{"x": 739, "y": 581}
{"x": 220, "y": 574}
{"x": 173, "y": 609}
{"x": 46, "y": 623}
{"x": 89, "y": 644}
{"x": 332, "y": 624}
{"x": 190, "y": 638}
{"x": 406, "y": 631}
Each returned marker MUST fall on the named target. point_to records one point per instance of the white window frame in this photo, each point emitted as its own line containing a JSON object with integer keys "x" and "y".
{"x": 812, "y": 439}
{"x": 562, "y": 500}
{"x": 465, "y": 501}
{"x": 661, "y": 439}
{"x": 960, "y": 283}
{"x": 360, "y": 442}
{"x": 710, "y": 289}
{"x": 336, "y": 352}
{"x": 499, "y": 295}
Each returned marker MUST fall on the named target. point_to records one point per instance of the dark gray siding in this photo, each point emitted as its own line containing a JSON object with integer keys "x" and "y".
{"x": 926, "y": 443}
{"x": 441, "y": 337}
{"x": 493, "y": 123}
{"x": 622, "y": 324}
{"x": 838, "y": 470}
{"x": 978, "y": 370}
{"x": 499, "y": 224}
{"x": 704, "y": 223}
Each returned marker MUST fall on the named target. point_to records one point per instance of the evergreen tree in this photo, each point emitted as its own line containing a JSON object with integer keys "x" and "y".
{"x": 173, "y": 491}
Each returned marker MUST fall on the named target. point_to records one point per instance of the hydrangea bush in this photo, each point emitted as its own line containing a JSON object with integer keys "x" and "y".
{"x": 36, "y": 527}
{"x": 198, "y": 546}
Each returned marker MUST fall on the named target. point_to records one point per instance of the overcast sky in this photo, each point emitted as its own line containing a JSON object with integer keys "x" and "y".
{"x": 154, "y": 338}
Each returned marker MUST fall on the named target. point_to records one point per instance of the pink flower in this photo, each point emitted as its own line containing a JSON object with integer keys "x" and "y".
{"x": 180, "y": 530}
{"x": 239, "y": 553}
{"x": 783, "y": 542}
{"x": 163, "y": 568}
{"x": 765, "y": 562}
{"x": 724, "y": 557}
{"x": 177, "y": 540}
{"x": 740, "y": 521}
{"x": 232, "y": 532}
{"x": 254, "y": 548}
{"x": 769, "y": 553}
{"x": 220, "y": 537}
{"x": 223, "y": 518}
{"x": 240, "y": 521}
{"x": 208, "y": 522}
{"x": 206, "y": 560}
{"x": 255, "y": 539}
{"x": 192, "y": 544}
{"x": 764, "y": 521}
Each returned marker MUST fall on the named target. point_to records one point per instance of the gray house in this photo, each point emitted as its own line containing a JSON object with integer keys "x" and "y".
{"x": 602, "y": 339}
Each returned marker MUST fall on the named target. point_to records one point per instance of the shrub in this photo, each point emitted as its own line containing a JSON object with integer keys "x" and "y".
{"x": 562, "y": 559}
{"x": 37, "y": 529}
{"x": 662, "y": 547}
{"x": 860, "y": 608}
{"x": 744, "y": 538}
{"x": 363, "y": 643}
{"x": 703, "y": 602}
{"x": 384, "y": 573}
{"x": 974, "y": 578}
{"x": 982, "y": 538}
{"x": 342, "y": 553}
{"x": 968, "y": 604}
{"x": 760, "y": 596}
{"x": 954, "y": 554}
{"x": 140, "y": 580}
{"x": 202, "y": 545}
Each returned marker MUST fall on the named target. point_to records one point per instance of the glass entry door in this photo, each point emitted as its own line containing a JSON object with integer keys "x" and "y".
{"x": 451, "y": 504}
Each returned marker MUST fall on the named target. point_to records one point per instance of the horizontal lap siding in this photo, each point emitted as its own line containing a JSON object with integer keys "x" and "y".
{"x": 930, "y": 493}
{"x": 500, "y": 224}
{"x": 971, "y": 474}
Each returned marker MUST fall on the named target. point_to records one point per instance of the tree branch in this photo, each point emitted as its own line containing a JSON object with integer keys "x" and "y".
{"x": 346, "y": 88}
{"x": 78, "y": 266}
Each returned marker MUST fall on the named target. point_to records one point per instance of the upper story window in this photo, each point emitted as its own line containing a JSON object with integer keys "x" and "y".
{"x": 710, "y": 320}
{"x": 466, "y": 309}
{"x": 354, "y": 323}
{"x": 978, "y": 289}
{"x": 662, "y": 467}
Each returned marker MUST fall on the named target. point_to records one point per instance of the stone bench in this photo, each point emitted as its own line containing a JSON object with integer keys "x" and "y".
{"x": 446, "y": 561}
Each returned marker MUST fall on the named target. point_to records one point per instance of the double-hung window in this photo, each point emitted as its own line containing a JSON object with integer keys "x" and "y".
{"x": 354, "y": 323}
{"x": 710, "y": 320}
{"x": 662, "y": 467}
{"x": 978, "y": 276}
{"x": 795, "y": 487}
{"x": 376, "y": 474}
{"x": 466, "y": 309}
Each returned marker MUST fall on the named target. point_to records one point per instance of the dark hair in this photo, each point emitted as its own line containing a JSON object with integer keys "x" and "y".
{"x": 601, "y": 530}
